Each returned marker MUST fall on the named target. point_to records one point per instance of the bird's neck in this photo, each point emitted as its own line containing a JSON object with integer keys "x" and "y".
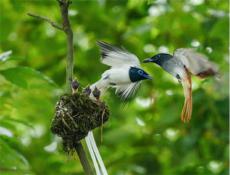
{"x": 134, "y": 77}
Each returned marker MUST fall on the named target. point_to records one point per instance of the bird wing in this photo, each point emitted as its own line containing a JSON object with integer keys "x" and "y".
{"x": 195, "y": 62}
{"x": 127, "y": 90}
{"x": 116, "y": 57}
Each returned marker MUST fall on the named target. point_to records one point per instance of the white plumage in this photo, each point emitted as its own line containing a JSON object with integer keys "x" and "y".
{"x": 117, "y": 78}
{"x": 120, "y": 61}
{"x": 115, "y": 57}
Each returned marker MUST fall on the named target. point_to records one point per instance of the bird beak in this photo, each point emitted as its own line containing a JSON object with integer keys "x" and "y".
{"x": 147, "y": 76}
{"x": 147, "y": 60}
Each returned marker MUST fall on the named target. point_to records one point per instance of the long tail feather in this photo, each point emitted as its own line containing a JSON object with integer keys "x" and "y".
{"x": 97, "y": 154}
{"x": 91, "y": 144}
{"x": 92, "y": 155}
{"x": 187, "y": 108}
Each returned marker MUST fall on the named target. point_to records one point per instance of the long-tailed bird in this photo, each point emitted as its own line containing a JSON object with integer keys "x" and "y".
{"x": 181, "y": 65}
{"x": 125, "y": 73}
{"x": 125, "y": 76}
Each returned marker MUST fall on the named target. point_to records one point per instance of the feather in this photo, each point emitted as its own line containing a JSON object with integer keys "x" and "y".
{"x": 116, "y": 57}
{"x": 97, "y": 154}
{"x": 92, "y": 155}
{"x": 187, "y": 107}
{"x": 196, "y": 63}
{"x": 127, "y": 90}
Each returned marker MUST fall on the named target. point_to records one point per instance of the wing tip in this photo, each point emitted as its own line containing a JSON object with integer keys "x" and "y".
{"x": 105, "y": 48}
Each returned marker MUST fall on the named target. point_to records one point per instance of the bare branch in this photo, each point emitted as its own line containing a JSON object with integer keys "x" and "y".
{"x": 52, "y": 23}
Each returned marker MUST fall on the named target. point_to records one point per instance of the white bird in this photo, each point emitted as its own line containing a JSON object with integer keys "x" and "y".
{"x": 125, "y": 73}
{"x": 125, "y": 76}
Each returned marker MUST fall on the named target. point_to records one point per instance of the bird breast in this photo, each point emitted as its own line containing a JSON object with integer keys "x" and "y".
{"x": 175, "y": 68}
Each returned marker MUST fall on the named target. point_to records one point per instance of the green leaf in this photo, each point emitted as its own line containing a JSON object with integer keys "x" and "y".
{"x": 26, "y": 77}
{"x": 11, "y": 159}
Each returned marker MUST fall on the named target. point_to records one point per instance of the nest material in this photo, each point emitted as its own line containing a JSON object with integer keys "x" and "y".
{"x": 75, "y": 116}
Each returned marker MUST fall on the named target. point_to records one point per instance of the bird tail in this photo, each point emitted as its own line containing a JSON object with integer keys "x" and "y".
{"x": 98, "y": 163}
{"x": 187, "y": 108}
{"x": 95, "y": 155}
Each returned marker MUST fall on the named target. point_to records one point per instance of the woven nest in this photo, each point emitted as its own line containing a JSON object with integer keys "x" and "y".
{"x": 75, "y": 116}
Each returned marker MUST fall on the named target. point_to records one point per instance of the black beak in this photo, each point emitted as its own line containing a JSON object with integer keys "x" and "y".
{"x": 147, "y": 60}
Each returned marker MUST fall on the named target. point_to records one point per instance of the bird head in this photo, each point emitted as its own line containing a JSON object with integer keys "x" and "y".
{"x": 137, "y": 74}
{"x": 158, "y": 59}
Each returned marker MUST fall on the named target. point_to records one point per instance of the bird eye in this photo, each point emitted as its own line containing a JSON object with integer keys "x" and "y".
{"x": 140, "y": 72}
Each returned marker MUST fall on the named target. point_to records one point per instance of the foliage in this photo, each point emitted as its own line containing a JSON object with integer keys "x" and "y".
{"x": 144, "y": 136}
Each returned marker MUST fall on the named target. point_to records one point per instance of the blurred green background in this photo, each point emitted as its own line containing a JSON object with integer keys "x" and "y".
{"x": 144, "y": 136}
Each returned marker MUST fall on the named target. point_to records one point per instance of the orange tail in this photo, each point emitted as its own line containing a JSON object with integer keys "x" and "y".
{"x": 187, "y": 108}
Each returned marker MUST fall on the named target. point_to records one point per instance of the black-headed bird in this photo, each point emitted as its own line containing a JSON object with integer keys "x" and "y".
{"x": 181, "y": 65}
{"x": 125, "y": 73}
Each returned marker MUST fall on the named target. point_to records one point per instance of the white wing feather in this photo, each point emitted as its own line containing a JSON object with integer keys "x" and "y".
{"x": 195, "y": 62}
{"x": 127, "y": 90}
{"x": 116, "y": 57}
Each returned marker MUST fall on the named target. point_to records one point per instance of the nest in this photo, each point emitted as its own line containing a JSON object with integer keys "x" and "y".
{"x": 75, "y": 116}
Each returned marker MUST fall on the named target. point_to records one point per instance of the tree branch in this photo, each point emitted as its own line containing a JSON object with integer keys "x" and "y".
{"x": 64, "y": 5}
{"x": 66, "y": 26}
{"x": 52, "y": 23}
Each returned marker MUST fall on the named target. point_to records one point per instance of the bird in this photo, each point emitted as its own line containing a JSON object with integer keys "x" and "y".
{"x": 182, "y": 64}
{"x": 87, "y": 91}
{"x": 125, "y": 73}
{"x": 75, "y": 85}
{"x": 96, "y": 93}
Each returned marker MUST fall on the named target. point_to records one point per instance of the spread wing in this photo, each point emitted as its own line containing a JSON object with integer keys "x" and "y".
{"x": 116, "y": 57}
{"x": 196, "y": 63}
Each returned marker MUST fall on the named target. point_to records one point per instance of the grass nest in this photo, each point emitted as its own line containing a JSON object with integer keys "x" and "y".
{"x": 75, "y": 115}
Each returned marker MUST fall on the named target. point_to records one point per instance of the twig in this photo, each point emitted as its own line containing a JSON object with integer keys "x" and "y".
{"x": 52, "y": 23}
{"x": 66, "y": 27}
{"x": 64, "y": 5}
